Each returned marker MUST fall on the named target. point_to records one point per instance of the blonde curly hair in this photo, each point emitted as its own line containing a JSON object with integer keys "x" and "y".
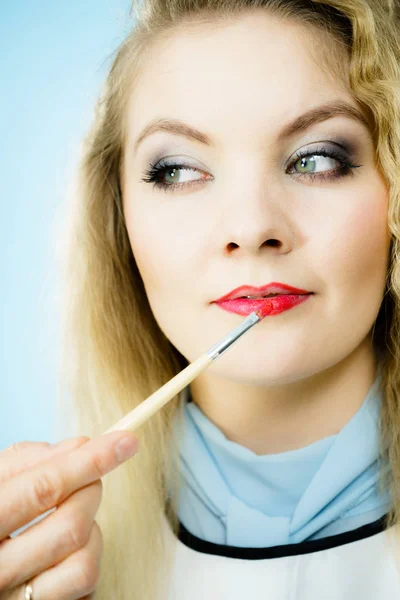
{"x": 114, "y": 353}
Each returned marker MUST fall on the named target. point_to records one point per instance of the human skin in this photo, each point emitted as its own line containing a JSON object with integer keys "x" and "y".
{"x": 299, "y": 376}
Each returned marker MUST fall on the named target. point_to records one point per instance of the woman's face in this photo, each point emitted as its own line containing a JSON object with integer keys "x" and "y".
{"x": 245, "y": 208}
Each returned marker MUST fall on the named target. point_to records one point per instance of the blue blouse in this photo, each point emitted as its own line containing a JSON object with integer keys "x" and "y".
{"x": 232, "y": 496}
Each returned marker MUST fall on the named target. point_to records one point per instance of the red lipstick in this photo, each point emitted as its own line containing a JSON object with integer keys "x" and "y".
{"x": 281, "y": 297}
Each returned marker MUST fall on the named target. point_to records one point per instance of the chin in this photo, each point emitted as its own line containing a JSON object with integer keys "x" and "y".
{"x": 261, "y": 370}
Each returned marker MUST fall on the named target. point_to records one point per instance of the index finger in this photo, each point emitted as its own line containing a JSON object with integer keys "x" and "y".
{"x": 23, "y": 455}
{"x": 33, "y": 492}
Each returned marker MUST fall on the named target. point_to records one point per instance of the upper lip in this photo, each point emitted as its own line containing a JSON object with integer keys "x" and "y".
{"x": 271, "y": 288}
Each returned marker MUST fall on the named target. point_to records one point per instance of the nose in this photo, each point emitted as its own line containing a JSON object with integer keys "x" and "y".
{"x": 250, "y": 246}
{"x": 259, "y": 225}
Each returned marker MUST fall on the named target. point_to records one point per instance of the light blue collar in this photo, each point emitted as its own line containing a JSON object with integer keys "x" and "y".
{"x": 234, "y": 497}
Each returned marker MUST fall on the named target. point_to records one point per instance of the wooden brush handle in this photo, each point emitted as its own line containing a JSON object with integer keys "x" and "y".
{"x": 164, "y": 394}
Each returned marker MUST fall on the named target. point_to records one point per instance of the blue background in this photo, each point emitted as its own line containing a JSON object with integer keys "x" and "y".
{"x": 53, "y": 59}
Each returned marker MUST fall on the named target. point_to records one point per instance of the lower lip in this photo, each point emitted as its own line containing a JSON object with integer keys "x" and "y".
{"x": 269, "y": 306}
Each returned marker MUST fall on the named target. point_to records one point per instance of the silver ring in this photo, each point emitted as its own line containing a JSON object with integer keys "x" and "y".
{"x": 28, "y": 592}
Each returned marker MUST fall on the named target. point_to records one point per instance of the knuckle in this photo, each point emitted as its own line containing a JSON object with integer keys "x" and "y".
{"x": 88, "y": 572}
{"x": 47, "y": 489}
{"x": 76, "y": 533}
{"x": 11, "y": 471}
{"x": 17, "y": 447}
{"x": 82, "y": 439}
{"x": 98, "y": 466}
{"x": 79, "y": 441}
{"x": 16, "y": 455}
{"x": 21, "y": 447}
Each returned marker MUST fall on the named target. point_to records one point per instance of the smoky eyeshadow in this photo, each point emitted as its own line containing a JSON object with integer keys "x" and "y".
{"x": 351, "y": 147}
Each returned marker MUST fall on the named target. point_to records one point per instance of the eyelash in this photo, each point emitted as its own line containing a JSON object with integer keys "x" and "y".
{"x": 345, "y": 169}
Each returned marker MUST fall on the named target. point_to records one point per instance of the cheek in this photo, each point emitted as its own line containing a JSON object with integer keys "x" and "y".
{"x": 355, "y": 254}
{"x": 161, "y": 248}
{"x": 164, "y": 254}
{"x": 366, "y": 245}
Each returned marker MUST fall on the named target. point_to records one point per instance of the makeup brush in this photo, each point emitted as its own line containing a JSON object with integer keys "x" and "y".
{"x": 164, "y": 394}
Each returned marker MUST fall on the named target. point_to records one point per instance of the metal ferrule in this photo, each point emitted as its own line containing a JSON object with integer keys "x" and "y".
{"x": 220, "y": 347}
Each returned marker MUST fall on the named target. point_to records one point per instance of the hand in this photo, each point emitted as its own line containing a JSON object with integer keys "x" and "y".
{"x": 62, "y": 552}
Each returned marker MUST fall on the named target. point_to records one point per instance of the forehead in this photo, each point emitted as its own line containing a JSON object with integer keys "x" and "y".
{"x": 234, "y": 76}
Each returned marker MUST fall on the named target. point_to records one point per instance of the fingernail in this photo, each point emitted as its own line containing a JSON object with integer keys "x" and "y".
{"x": 125, "y": 448}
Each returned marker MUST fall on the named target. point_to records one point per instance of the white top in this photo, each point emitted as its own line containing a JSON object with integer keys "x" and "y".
{"x": 357, "y": 565}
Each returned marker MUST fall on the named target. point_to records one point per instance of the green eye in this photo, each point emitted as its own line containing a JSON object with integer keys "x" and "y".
{"x": 305, "y": 163}
{"x": 173, "y": 174}
{"x": 170, "y": 177}
{"x": 308, "y": 164}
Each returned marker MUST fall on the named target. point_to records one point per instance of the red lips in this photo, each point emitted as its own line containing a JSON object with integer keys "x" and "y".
{"x": 270, "y": 288}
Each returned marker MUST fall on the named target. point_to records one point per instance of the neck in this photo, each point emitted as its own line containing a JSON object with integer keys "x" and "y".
{"x": 273, "y": 419}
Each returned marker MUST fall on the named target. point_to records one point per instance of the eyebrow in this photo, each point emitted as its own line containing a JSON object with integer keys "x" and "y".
{"x": 300, "y": 124}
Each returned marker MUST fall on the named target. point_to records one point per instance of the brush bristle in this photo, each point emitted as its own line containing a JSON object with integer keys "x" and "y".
{"x": 264, "y": 311}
